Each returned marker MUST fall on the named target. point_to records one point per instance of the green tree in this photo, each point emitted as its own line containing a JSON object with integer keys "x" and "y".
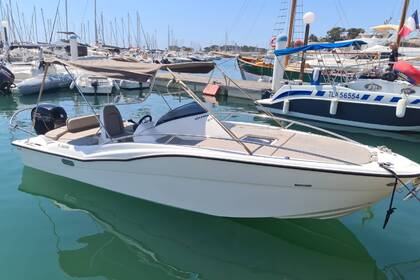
{"x": 313, "y": 38}
{"x": 335, "y": 34}
{"x": 354, "y": 32}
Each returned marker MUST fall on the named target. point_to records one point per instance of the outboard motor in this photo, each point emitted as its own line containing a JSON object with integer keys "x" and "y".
{"x": 48, "y": 117}
{"x": 7, "y": 78}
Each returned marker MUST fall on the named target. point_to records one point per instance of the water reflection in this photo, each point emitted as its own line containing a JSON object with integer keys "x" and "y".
{"x": 143, "y": 239}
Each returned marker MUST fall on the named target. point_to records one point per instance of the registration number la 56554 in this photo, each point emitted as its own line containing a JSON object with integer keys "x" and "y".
{"x": 344, "y": 95}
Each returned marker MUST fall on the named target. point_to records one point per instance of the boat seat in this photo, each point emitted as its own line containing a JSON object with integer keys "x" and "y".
{"x": 84, "y": 137}
{"x": 74, "y": 125}
{"x": 82, "y": 123}
{"x": 55, "y": 134}
{"x": 113, "y": 122}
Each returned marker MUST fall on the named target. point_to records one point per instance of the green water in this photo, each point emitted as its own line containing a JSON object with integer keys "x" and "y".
{"x": 56, "y": 228}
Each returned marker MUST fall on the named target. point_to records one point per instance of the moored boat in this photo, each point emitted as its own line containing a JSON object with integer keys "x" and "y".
{"x": 190, "y": 159}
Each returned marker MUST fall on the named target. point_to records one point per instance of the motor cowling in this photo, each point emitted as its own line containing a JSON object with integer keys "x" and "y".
{"x": 47, "y": 117}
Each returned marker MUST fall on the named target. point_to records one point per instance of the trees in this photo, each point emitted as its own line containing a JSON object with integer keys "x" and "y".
{"x": 335, "y": 34}
{"x": 354, "y": 32}
{"x": 313, "y": 38}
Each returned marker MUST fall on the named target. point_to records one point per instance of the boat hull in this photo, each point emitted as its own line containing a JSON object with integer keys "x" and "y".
{"x": 355, "y": 114}
{"x": 222, "y": 187}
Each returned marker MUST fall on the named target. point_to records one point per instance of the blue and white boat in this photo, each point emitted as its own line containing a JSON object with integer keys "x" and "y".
{"x": 367, "y": 103}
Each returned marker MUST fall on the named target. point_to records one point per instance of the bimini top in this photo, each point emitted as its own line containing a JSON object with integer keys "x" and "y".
{"x": 317, "y": 47}
{"x": 134, "y": 71}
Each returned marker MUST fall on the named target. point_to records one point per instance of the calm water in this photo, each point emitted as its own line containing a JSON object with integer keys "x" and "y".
{"x": 56, "y": 228}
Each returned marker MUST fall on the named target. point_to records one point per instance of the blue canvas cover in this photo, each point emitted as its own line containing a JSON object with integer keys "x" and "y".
{"x": 316, "y": 47}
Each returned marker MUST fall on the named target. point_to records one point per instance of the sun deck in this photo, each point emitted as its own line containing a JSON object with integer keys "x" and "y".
{"x": 260, "y": 140}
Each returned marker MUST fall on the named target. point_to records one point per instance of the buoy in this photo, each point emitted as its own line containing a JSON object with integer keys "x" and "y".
{"x": 334, "y": 106}
{"x": 401, "y": 108}
{"x": 286, "y": 105}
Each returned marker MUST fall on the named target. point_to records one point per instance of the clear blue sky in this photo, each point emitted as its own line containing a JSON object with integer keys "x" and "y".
{"x": 204, "y": 22}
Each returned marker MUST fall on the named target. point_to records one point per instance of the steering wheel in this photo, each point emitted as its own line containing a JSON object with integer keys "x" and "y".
{"x": 144, "y": 119}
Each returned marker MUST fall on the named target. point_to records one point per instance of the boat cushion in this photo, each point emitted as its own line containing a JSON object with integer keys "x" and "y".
{"x": 85, "y": 137}
{"x": 82, "y": 123}
{"x": 57, "y": 133}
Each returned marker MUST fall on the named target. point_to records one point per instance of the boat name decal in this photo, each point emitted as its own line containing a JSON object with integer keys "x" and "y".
{"x": 200, "y": 117}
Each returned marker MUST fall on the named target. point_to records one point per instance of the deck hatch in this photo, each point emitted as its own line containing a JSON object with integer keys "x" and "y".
{"x": 260, "y": 140}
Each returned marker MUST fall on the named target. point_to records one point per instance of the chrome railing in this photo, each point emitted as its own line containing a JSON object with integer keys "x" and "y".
{"x": 288, "y": 123}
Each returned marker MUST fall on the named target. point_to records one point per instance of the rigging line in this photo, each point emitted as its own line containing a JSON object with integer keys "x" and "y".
{"x": 343, "y": 11}
{"x": 55, "y": 19}
{"x": 340, "y": 19}
{"x": 82, "y": 19}
{"x": 239, "y": 14}
{"x": 256, "y": 18}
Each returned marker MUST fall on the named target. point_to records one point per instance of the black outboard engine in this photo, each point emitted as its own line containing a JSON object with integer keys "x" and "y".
{"x": 7, "y": 78}
{"x": 48, "y": 117}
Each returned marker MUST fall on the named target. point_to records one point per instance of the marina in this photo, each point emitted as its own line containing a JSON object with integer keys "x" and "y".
{"x": 126, "y": 156}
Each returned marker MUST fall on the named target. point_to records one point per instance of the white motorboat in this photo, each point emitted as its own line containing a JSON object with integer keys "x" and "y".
{"x": 93, "y": 85}
{"x": 190, "y": 159}
{"x": 132, "y": 85}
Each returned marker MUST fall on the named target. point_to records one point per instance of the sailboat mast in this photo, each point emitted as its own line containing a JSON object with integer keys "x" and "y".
{"x": 290, "y": 31}
{"x": 128, "y": 30}
{"x": 67, "y": 21}
{"x": 96, "y": 24}
{"x": 402, "y": 20}
{"x": 36, "y": 26}
{"x": 102, "y": 28}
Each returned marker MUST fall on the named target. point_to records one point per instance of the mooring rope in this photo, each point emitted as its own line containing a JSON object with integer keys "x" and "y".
{"x": 391, "y": 209}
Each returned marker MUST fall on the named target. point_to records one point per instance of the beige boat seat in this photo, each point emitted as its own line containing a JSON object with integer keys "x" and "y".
{"x": 55, "y": 134}
{"x": 77, "y": 131}
{"x": 82, "y": 123}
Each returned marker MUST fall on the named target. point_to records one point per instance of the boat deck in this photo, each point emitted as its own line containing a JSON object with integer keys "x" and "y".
{"x": 287, "y": 144}
{"x": 260, "y": 140}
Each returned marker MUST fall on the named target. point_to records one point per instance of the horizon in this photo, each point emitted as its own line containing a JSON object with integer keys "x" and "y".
{"x": 195, "y": 24}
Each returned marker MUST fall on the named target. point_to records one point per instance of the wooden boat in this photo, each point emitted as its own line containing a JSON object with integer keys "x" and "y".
{"x": 256, "y": 66}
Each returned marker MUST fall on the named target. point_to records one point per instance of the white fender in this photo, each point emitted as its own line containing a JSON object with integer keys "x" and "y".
{"x": 286, "y": 105}
{"x": 401, "y": 108}
{"x": 71, "y": 85}
{"x": 333, "y": 106}
{"x": 116, "y": 85}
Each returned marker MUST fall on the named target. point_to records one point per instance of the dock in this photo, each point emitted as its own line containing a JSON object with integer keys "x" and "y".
{"x": 198, "y": 83}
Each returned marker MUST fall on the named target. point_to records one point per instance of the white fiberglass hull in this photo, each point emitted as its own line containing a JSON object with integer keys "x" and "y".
{"x": 221, "y": 187}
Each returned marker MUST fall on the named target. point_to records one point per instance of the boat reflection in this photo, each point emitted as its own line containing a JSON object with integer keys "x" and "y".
{"x": 145, "y": 239}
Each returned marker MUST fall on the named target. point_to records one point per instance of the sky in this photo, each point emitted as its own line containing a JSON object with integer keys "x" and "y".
{"x": 199, "y": 23}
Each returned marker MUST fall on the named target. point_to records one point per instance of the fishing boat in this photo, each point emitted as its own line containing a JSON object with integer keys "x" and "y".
{"x": 190, "y": 159}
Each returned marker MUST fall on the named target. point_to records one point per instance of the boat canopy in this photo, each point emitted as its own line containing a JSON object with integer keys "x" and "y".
{"x": 316, "y": 47}
{"x": 135, "y": 71}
